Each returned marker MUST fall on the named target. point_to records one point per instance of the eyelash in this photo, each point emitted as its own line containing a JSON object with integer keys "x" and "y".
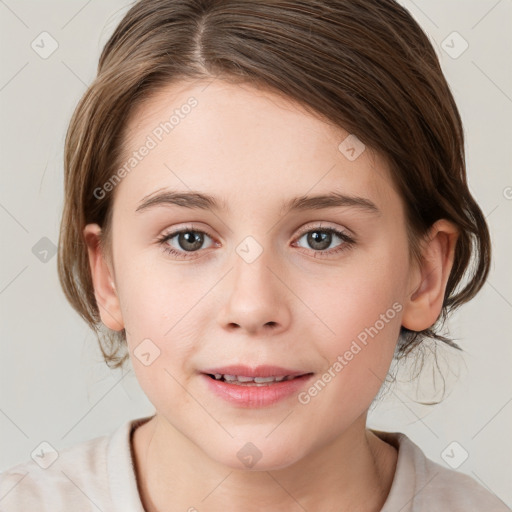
{"x": 348, "y": 241}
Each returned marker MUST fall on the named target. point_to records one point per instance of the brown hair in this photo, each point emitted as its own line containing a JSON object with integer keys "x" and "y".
{"x": 364, "y": 65}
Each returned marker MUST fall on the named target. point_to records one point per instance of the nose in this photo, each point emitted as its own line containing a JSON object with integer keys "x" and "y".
{"x": 258, "y": 300}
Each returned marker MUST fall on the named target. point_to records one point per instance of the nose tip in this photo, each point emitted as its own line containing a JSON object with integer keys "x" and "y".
{"x": 255, "y": 300}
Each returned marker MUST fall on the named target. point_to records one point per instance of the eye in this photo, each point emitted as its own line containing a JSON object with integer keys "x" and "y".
{"x": 320, "y": 239}
{"x": 186, "y": 240}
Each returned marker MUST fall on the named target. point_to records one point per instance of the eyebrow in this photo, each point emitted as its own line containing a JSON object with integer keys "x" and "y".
{"x": 198, "y": 200}
{"x": 195, "y": 200}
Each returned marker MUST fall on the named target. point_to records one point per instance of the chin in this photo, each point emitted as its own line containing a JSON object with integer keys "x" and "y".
{"x": 255, "y": 455}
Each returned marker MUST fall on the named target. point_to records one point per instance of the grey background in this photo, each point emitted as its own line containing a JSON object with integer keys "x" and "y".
{"x": 54, "y": 386}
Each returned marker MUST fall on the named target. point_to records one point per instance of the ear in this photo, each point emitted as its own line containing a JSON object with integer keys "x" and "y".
{"x": 428, "y": 280}
{"x": 102, "y": 278}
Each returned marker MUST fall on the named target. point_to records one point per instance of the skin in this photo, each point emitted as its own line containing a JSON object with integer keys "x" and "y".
{"x": 253, "y": 150}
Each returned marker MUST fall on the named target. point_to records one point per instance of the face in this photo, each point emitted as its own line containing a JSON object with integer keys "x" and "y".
{"x": 260, "y": 276}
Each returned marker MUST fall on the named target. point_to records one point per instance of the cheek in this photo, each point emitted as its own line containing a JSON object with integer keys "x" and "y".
{"x": 163, "y": 308}
{"x": 366, "y": 325}
{"x": 361, "y": 310}
{"x": 160, "y": 336}
{"x": 361, "y": 350}
{"x": 156, "y": 299}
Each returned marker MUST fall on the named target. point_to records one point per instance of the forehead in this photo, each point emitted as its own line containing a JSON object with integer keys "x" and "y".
{"x": 241, "y": 144}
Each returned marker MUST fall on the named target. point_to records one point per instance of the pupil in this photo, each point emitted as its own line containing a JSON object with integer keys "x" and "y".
{"x": 189, "y": 237}
{"x": 321, "y": 238}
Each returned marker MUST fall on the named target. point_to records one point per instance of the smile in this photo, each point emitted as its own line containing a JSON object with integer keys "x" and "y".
{"x": 247, "y": 387}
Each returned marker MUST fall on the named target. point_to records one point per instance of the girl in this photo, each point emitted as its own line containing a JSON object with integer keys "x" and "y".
{"x": 265, "y": 205}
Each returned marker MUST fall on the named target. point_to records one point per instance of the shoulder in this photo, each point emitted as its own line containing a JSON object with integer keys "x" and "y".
{"x": 421, "y": 484}
{"x": 77, "y": 478}
{"x": 54, "y": 480}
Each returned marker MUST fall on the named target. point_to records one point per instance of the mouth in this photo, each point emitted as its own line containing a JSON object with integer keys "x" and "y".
{"x": 254, "y": 387}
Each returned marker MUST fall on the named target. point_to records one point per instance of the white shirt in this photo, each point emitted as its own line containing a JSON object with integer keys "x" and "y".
{"x": 99, "y": 475}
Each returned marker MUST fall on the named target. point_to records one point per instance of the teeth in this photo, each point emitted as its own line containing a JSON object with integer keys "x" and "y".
{"x": 261, "y": 380}
{"x": 242, "y": 379}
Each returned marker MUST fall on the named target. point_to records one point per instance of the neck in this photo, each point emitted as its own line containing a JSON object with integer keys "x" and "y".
{"x": 353, "y": 472}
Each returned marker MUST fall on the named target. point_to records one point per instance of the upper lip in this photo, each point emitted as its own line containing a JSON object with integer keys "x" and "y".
{"x": 256, "y": 371}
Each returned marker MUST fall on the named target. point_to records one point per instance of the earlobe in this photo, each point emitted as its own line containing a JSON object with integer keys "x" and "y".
{"x": 428, "y": 281}
{"x": 102, "y": 278}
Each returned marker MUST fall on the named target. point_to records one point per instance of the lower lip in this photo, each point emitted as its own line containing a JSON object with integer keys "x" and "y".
{"x": 256, "y": 396}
